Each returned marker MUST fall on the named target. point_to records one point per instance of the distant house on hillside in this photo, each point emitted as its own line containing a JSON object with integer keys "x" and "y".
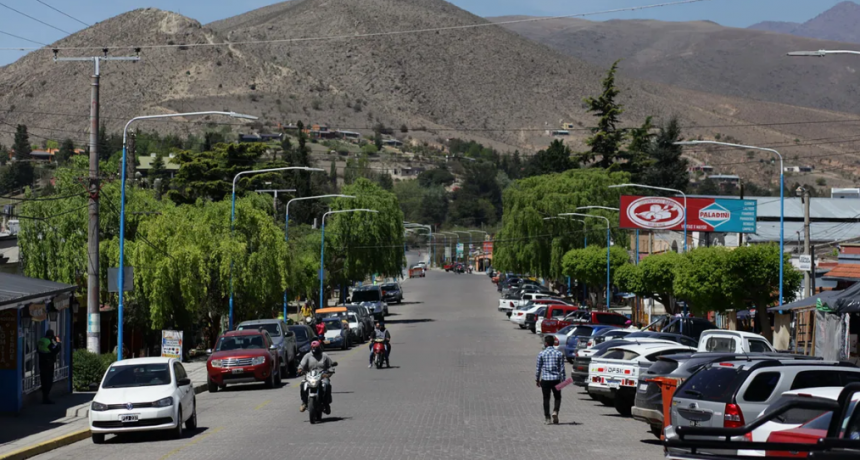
{"x": 559, "y": 132}
{"x": 146, "y": 164}
{"x": 701, "y": 168}
{"x": 799, "y": 169}
{"x": 320, "y": 132}
{"x": 348, "y": 135}
{"x": 392, "y": 143}
{"x": 249, "y": 138}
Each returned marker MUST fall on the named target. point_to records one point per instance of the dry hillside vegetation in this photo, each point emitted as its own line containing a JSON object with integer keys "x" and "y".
{"x": 487, "y": 84}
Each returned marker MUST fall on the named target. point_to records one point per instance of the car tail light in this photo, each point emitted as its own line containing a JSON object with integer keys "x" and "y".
{"x": 627, "y": 371}
{"x": 733, "y": 417}
{"x": 748, "y": 437}
{"x": 590, "y": 344}
{"x": 600, "y": 369}
{"x": 555, "y": 340}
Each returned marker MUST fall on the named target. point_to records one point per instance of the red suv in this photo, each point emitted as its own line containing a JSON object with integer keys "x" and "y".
{"x": 243, "y": 357}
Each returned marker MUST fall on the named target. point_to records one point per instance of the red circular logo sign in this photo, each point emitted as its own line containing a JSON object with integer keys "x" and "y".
{"x": 655, "y": 213}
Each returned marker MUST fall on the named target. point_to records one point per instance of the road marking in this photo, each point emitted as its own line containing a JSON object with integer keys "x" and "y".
{"x": 193, "y": 441}
{"x": 263, "y": 404}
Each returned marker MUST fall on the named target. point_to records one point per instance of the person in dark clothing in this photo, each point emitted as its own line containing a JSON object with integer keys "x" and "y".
{"x": 549, "y": 372}
{"x": 48, "y": 348}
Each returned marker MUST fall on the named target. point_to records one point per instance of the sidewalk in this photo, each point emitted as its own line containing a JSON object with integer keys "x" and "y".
{"x": 42, "y": 428}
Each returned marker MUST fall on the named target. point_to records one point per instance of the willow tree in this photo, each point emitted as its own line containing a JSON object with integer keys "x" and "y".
{"x": 362, "y": 244}
{"x": 653, "y": 277}
{"x": 589, "y": 266}
{"x": 527, "y": 243}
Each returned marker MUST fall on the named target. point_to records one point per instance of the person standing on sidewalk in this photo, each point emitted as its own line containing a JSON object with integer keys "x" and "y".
{"x": 48, "y": 348}
{"x": 549, "y": 372}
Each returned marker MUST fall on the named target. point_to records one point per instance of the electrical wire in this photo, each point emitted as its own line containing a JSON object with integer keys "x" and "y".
{"x": 374, "y": 34}
{"x": 49, "y": 198}
{"x": 63, "y": 13}
{"x": 22, "y": 38}
{"x": 35, "y": 19}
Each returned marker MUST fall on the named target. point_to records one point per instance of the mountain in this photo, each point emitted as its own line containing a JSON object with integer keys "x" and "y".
{"x": 837, "y": 24}
{"x": 483, "y": 83}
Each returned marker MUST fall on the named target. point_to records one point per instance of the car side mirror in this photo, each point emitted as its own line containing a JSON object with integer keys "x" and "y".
{"x": 183, "y": 382}
{"x": 273, "y": 347}
{"x": 208, "y": 351}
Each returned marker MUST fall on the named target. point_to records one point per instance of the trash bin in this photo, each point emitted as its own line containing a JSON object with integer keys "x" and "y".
{"x": 667, "y": 390}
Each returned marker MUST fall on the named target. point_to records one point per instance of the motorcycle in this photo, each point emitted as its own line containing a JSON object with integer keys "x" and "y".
{"x": 379, "y": 352}
{"x": 316, "y": 386}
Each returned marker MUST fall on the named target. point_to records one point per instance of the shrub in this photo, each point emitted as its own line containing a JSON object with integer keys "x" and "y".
{"x": 89, "y": 368}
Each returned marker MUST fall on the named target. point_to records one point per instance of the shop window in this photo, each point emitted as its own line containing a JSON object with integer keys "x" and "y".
{"x": 31, "y": 331}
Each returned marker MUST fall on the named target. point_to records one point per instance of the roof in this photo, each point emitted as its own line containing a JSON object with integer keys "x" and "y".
{"x": 820, "y": 232}
{"x": 15, "y": 289}
{"x": 331, "y": 310}
{"x": 151, "y": 360}
{"x": 821, "y": 392}
{"x": 262, "y": 321}
{"x": 744, "y": 334}
{"x": 146, "y": 163}
{"x": 651, "y": 346}
{"x": 819, "y": 208}
{"x": 244, "y": 332}
{"x": 844, "y": 272}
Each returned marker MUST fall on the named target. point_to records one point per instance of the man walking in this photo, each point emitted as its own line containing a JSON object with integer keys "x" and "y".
{"x": 549, "y": 372}
{"x": 48, "y": 348}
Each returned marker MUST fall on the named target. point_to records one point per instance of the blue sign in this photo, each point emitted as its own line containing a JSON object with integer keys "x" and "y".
{"x": 726, "y": 216}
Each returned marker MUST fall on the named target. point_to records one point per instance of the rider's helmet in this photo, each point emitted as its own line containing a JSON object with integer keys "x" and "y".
{"x": 316, "y": 347}
{"x": 309, "y": 320}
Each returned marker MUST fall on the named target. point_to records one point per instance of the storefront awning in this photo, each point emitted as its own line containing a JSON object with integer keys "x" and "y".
{"x": 825, "y": 297}
{"x": 16, "y": 289}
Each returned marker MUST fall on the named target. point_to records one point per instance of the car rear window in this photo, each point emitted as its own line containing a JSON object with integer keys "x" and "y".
{"x": 824, "y": 378}
{"x": 611, "y": 319}
{"x": 271, "y": 328}
{"x": 558, "y": 313}
{"x": 621, "y": 354}
{"x": 758, "y": 346}
{"x": 716, "y": 384}
{"x": 801, "y": 416}
{"x": 301, "y": 333}
{"x": 663, "y": 367}
{"x": 720, "y": 344}
{"x": 389, "y": 286}
{"x": 582, "y": 330}
{"x": 761, "y": 387}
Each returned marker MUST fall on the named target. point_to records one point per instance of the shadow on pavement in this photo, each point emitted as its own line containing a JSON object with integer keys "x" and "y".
{"x": 410, "y": 303}
{"x": 652, "y": 442}
{"x": 409, "y": 321}
{"x": 149, "y": 436}
{"x": 251, "y": 387}
{"x": 333, "y": 419}
{"x": 38, "y": 417}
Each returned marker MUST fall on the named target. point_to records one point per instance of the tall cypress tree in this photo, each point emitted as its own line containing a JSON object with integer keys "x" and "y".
{"x": 606, "y": 138}
{"x": 22, "y": 143}
{"x": 668, "y": 168}
{"x": 332, "y": 174}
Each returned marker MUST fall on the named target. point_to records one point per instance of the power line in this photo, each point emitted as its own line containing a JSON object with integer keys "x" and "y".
{"x": 35, "y": 19}
{"x": 49, "y": 198}
{"x": 64, "y": 14}
{"x": 378, "y": 34}
{"x": 22, "y": 38}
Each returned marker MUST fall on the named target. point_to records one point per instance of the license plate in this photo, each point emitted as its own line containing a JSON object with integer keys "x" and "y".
{"x": 128, "y": 418}
{"x": 327, "y": 342}
{"x": 643, "y": 386}
{"x": 238, "y": 371}
{"x": 614, "y": 384}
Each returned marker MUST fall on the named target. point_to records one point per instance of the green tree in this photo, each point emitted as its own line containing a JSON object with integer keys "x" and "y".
{"x": 523, "y": 244}
{"x": 110, "y": 144}
{"x": 377, "y": 140}
{"x": 653, "y": 277}
{"x": 434, "y": 206}
{"x": 332, "y": 174}
{"x": 16, "y": 176}
{"x": 410, "y": 196}
{"x": 22, "y": 143}
{"x": 67, "y": 150}
{"x": 607, "y": 138}
{"x": 708, "y": 187}
{"x": 479, "y": 200}
{"x": 638, "y": 152}
{"x": 588, "y": 266}
{"x": 555, "y": 159}
{"x": 385, "y": 181}
{"x": 668, "y": 168}
{"x": 704, "y": 281}
{"x": 754, "y": 273}
{"x": 369, "y": 149}
{"x": 436, "y": 177}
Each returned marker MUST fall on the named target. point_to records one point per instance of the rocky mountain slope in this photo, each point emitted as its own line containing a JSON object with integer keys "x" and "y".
{"x": 837, "y": 24}
{"x": 486, "y": 83}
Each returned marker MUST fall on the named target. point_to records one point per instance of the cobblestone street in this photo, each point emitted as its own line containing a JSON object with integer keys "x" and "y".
{"x": 461, "y": 387}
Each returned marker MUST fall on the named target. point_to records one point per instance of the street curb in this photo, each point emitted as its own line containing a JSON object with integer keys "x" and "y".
{"x": 66, "y": 439}
{"x": 47, "y": 446}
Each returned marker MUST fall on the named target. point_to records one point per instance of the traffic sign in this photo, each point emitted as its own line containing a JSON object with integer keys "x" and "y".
{"x": 805, "y": 263}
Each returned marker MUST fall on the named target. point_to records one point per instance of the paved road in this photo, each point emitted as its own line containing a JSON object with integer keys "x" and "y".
{"x": 462, "y": 387}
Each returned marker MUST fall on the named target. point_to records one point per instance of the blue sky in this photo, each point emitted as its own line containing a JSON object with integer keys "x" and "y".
{"x": 734, "y": 13}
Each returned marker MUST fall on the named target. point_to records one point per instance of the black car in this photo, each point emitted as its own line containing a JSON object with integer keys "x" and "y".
{"x": 392, "y": 293}
{"x": 532, "y": 318}
{"x": 304, "y": 336}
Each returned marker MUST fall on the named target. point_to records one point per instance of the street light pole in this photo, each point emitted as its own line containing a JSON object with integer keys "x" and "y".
{"x": 233, "y": 216}
{"x": 781, "y": 198}
{"x": 608, "y": 244}
{"x": 820, "y": 53}
{"x": 287, "y": 226}
{"x": 450, "y": 233}
{"x": 322, "y": 246}
{"x": 275, "y": 201}
{"x": 651, "y": 187}
{"x": 121, "y": 274}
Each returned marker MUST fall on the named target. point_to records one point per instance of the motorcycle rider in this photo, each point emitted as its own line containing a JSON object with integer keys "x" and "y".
{"x": 381, "y": 333}
{"x": 316, "y": 359}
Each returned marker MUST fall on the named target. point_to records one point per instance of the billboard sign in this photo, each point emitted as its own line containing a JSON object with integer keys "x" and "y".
{"x": 460, "y": 249}
{"x": 171, "y": 344}
{"x": 703, "y": 214}
{"x": 488, "y": 247}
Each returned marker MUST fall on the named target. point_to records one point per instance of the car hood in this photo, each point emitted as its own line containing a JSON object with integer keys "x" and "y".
{"x": 332, "y": 334}
{"x": 133, "y": 394}
{"x": 239, "y": 353}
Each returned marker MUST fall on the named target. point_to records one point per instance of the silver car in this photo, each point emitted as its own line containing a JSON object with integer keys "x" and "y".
{"x": 728, "y": 394}
{"x": 283, "y": 338}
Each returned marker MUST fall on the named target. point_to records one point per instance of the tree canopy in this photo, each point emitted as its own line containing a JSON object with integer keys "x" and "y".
{"x": 588, "y": 266}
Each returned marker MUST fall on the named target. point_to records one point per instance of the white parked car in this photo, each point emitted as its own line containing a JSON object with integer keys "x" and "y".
{"x": 143, "y": 394}
{"x": 518, "y": 316}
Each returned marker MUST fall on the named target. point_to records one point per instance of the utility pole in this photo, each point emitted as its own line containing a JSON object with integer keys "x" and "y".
{"x": 807, "y": 279}
{"x": 130, "y": 171}
{"x": 93, "y": 188}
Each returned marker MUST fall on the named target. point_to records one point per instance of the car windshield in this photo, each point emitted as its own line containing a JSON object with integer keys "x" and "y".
{"x": 369, "y": 295}
{"x": 716, "y": 384}
{"x": 389, "y": 286}
{"x": 241, "y": 342}
{"x": 271, "y": 328}
{"x": 333, "y": 325}
{"x": 582, "y": 330}
{"x": 301, "y": 333}
{"x": 137, "y": 375}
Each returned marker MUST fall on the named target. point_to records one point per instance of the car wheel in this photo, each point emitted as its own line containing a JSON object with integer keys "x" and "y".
{"x": 178, "y": 432}
{"x": 606, "y": 401}
{"x": 399, "y": 301}
{"x": 622, "y": 406}
{"x": 98, "y": 438}
{"x": 191, "y": 423}
{"x": 522, "y": 326}
{"x": 270, "y": 381}
{"x": 293, "y": 368}
{"x": 278, "y": 377}
{"x": 657, "y": 431}
{"x": 592, "y": 396}
{"x": 211, "y": 386}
